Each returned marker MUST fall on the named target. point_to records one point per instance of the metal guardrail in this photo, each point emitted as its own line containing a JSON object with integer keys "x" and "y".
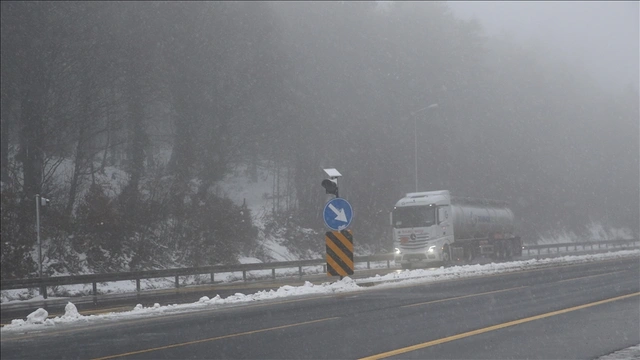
{"x": 43, "y": 283}
{"x": 584, "y": 245}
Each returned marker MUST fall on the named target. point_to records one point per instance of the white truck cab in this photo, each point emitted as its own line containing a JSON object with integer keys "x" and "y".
{"x": 422, "y": 228}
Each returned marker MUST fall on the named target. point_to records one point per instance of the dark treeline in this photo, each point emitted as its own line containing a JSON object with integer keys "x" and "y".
{"x": 290, "y": 87}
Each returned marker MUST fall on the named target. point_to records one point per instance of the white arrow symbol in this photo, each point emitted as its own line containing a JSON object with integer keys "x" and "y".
{"x": 340, "y": 215}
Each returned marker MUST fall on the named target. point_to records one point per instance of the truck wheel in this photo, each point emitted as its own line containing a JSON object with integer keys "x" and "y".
{"x": 468, "y": 254}
{"x": 498, "y": 250}
{"x": 508, "y": 252}
{"x": 516, "y": 246}
{"x": 446, "y": 255}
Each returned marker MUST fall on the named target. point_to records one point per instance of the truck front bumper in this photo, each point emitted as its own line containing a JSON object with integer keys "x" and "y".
{"x": 422, "y": 259}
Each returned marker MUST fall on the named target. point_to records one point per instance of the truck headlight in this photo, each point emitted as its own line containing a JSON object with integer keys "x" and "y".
{"x": 397, "y": 251}
{"x": 431, "y": 249}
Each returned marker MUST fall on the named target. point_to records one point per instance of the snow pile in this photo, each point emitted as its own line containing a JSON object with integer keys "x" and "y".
{"x": 344, "y": 285}
{"x": 467, "y": 271}
{"x": 37, "y": 317}
{"x": 41, "y": 317}
{"x": 71, "y": 311}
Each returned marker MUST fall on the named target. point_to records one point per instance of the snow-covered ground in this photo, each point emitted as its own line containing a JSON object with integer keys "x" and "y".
{"x": 39, "y": 318}
{"x": 631, "y": 353}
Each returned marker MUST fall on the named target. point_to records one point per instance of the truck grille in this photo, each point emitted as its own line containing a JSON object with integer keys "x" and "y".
{"x": 415, "y": 241}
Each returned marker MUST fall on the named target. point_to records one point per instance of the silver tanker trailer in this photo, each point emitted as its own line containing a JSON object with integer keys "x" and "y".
{"x": 434, "y": 227}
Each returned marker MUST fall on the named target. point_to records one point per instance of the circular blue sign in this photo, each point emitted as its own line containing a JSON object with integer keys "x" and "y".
{"x": 337, "y": 214}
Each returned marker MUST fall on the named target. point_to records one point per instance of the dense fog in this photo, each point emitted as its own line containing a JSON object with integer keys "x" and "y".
{"x": 180, "y": 94}
{"x": 599, "y": 37}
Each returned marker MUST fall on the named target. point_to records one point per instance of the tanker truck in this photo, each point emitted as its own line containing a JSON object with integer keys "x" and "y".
{"x": 434, "y": 228}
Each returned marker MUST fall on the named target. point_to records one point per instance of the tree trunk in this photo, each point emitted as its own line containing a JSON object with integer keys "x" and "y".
{"x": 138, "y": 143}
{"x": 8, "y": 96}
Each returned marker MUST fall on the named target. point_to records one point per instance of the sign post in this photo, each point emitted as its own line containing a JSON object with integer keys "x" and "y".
{"x": 337, "y": 215}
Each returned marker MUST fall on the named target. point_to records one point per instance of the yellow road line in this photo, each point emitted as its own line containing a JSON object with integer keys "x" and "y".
{"x": 497, "y": 291}
{"x": 214, "y": 338}
{"x": 491, "y": 328}
{"x": 464, "y": 296}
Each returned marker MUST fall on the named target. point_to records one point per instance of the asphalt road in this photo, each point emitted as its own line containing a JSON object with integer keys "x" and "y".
{"x": 566, "y": 312}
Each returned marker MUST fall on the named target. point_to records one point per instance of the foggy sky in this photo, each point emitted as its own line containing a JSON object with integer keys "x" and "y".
{"x": 600, "y": 36}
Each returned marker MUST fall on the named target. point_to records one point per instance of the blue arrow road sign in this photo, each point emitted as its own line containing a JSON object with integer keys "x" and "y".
{"x": 337, "y": 214}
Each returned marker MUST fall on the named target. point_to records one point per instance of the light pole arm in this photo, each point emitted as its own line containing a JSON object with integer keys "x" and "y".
{"x": 38, "y": 234}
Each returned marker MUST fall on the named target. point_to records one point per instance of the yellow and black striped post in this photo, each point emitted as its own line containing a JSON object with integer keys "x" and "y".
{"x": 339, "y": 253}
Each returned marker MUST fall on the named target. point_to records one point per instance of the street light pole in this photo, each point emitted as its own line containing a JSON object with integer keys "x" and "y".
{"x": 415, "y": 141}
{"x": 415, "y": 148}
{"x": 38, "y": 235}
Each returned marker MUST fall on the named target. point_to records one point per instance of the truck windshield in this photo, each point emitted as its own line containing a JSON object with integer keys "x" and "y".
{"x": 414, "y": 216}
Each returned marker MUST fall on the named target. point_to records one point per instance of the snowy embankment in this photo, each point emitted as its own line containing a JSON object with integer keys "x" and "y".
{"x": 39, "y": 318}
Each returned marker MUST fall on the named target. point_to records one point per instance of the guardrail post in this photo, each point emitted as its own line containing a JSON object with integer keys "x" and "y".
{"x": 388, "y": 264}
{"x": 368, "y": 264}
{"x": 177, "y": 282}
{"x": 95, "y": 293}
{"x": 244, "y": 275}
{"x": 212, "y": 278}
{"x": 300, "y": 271}
{"x": 324, "y": 268}
{"x": 43, "y": 291}
{"x": 138, "y": 285}
{"x": 273, "y": 273}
